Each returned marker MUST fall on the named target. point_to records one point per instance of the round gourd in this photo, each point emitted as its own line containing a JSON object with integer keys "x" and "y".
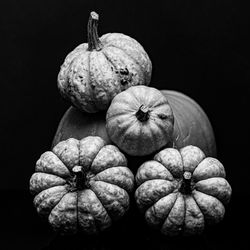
{"x": 140, "y": 120}
{"x": 94, "y": 72}
{"x": 82, "y": 185}
{"x": 180, "y": 191}
{"x": 77, "y": 124}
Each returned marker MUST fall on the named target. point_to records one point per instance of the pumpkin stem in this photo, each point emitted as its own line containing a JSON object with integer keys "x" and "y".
{"x": 186, "y": 187}
{"x": 79, "y": 178}
{"x": 94, "y": 42}
{"x": 143, "y": 113}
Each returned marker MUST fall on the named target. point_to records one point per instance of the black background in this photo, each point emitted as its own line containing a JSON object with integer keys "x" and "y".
{"x": 200, "y": 48}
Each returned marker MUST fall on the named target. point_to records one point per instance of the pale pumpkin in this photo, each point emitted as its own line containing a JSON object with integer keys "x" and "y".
{"x": 140, "y": 120}
{"x": 181, "y": 191}
{"x": 94, "y": 72}
{"x": 82, "y": 185}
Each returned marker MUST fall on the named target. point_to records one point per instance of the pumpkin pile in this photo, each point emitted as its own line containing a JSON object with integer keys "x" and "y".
{"x": 122, "y": 141}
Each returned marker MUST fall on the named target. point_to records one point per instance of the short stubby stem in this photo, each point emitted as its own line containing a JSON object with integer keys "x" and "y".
{"x": 94, "y": 42}
{"x": 143, "y": 113}
{"x": 79, "y": 181}
{"x": 186, "y": 187}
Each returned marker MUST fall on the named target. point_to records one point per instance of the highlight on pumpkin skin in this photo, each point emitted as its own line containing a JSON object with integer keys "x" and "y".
{"x": 140, "y": 120}
{"x": 182, "y": 191}
{"x": 82, "y": 185}
{"x": 96, "y": 71}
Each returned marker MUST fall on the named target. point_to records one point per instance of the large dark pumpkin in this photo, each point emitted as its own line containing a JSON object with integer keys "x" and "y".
{"x": 191, "y": 124}
{"x": 76, "y": 124}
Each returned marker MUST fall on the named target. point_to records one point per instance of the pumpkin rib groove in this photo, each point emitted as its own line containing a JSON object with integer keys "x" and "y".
{"x": 168, "y": 217}
{"x": 198, "y": 203}
{"x": 38, "y": 204}
{"x": 165, "y": 132}
{"x": 119, "y": 166}
{"x": 154, "y": 136}
{"x": 111, "y": 117}
{"x": 183, "y": 226}
{"x": 123, "y": 137}
{"x": 89, "y": 83}
{"x": 110, "y": 61}
{"x": 165, "y": 218}
{"x": 97, "y": 226}
{"x": 102, "y": 202}
{"x": 142, "y": 70}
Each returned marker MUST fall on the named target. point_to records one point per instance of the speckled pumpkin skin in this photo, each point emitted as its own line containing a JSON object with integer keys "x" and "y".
{"x": 91, "y": 79}
{"x": 103, "y": 197}
{"x": 135, "y": 137}
{"x": 174, "y": 207}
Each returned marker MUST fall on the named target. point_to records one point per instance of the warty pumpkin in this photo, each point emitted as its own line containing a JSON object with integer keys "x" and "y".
{"x": 141, "y": 120}
{"x": 82, "y": 185}
{"x": 180, "y": 191}
{"x": 94, "y": 72}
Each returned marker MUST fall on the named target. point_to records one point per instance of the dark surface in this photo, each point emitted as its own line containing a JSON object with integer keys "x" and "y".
{"x": 200, "y": 48}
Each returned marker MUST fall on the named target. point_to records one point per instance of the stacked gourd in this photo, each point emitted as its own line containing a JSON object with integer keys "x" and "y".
{"x": 85, "y": 182}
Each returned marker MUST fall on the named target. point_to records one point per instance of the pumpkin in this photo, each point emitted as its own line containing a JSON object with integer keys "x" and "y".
{"x": 82, "y": 185}
{"x": 191, "y": 124}
{"x": 180, "y": 191}
{"x": 77, "y": 124}
{"x": 94, "y": 72}
{"x": 140, "y": 120}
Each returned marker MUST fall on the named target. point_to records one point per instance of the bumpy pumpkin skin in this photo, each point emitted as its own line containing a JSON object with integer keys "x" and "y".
{"x": 82, "y": 185}
{"x": 78, "y": 125}
{"x": 180, "y": 191}
{"x": 94, "y": 72}
{"x": 140, "y": 120}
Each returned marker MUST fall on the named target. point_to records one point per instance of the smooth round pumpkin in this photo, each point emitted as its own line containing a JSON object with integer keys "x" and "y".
{"x": 94, "y": 72}
{"x": 82, "y": 185}
{"x": 77, "y": 124}
{"x": 140, "y": 120}
{"x": 191, "y": 124}
{"x": 181, "y": 191}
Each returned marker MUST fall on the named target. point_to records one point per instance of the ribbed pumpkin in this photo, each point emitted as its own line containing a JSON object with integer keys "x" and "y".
{"x": 180, "y": 192}
{"x": 82, "y": 185}
{"x": 94, "y": 72}
{"x": 140, "y": 120}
